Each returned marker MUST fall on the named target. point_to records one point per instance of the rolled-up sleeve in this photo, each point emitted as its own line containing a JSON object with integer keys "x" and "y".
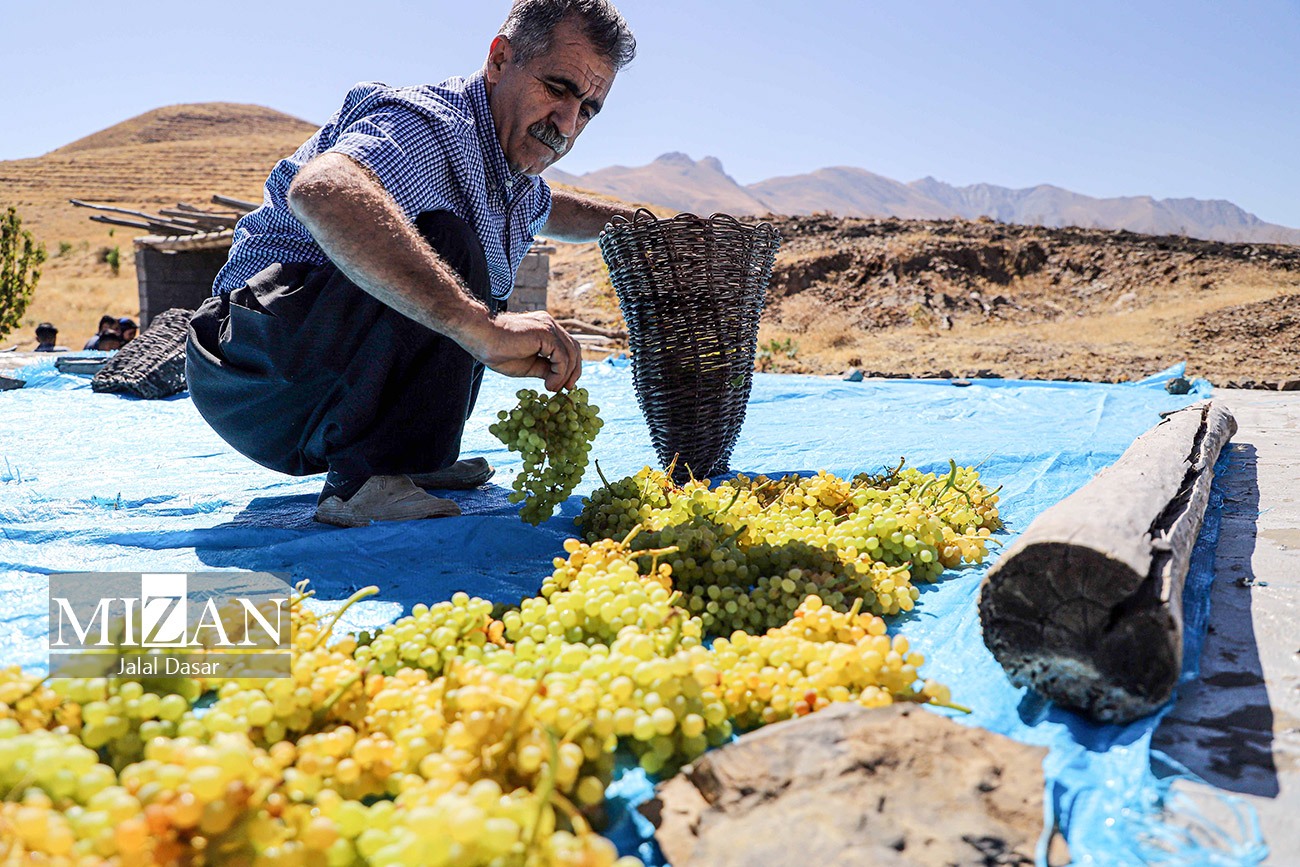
{"x": 412, "y": 154}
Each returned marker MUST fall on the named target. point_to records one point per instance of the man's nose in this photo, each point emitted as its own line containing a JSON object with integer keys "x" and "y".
{"x": 567, "y": 117}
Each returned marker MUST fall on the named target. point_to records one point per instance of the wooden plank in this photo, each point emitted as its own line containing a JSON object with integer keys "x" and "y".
{"x": 1086, "y": 606}
{"x": 195, "y": 209}
{"x": 236, "y": 204}
{"x": 118, "y": 221}
{"x": 578, "y": 326}
{"x": 218, "y": 240}
{"x": 208, "y": 221}
{"x": 150, "y": 225}
{"x": 161, "y": 223}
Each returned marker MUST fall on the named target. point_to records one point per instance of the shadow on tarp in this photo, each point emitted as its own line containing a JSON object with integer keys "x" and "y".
{"x": 156, "y": 490}
{"x": 1221, "y": 728}
{"x": 411, "y": 562}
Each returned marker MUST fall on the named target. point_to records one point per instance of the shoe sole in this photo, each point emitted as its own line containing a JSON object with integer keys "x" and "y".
{"x": 446, "y": 480}
{"x": 340, "y": 517}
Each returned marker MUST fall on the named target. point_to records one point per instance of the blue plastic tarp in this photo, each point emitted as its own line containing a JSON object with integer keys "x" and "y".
{"x": 98, "y": 482}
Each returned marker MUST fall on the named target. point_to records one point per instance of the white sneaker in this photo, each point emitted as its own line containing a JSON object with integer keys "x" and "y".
{"x": 460, "y": 476}
{"x": 384, "y": 498}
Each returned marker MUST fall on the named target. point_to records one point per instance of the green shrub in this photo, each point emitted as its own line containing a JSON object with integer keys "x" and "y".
{"x": 113, "y": 256}
{"x": 20, "y": 270}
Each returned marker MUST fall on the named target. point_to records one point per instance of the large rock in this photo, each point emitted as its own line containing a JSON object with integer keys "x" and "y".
{"x": 850, "y": 786}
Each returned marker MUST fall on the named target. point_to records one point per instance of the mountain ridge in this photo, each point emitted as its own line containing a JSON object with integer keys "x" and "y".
{"x": 675, "y": 180}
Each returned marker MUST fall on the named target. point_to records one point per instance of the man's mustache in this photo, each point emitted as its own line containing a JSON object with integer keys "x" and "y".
{"x": 547, "y": 134}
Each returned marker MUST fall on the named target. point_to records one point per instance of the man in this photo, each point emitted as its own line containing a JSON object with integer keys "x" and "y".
{"x": 47, "y": 336}
{"x": 106, "y": 336}
{"x": 349, "y": 329}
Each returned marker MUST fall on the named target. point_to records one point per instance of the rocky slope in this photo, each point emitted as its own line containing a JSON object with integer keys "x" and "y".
{"x": 962, "y": 298}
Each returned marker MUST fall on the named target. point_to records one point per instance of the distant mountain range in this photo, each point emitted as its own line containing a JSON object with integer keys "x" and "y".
{"x": 674, "y": 180}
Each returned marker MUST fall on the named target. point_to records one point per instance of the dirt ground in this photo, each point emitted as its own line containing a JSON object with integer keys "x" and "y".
{"x": 957, "y": 298}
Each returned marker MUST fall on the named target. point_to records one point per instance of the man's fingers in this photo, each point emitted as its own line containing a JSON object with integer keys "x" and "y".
{"x": 564, "y": 357}
{"x": 554, "y": 356}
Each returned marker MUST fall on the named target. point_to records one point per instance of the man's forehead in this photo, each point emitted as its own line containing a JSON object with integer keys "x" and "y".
{"x": 572, "y": 56}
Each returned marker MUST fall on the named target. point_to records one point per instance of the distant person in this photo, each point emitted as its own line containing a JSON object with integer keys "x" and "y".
{"x": 109, "y": 341}
{"x": 127, "y": 328}
{"x": 350, "y": 328}
{"x": 46, "y": 337}
{"x": 107, "y": 326}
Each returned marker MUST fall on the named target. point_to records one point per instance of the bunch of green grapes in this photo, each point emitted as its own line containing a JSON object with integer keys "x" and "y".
{"x": 616, "y": 508}
{"x": 750, "y": 550}
{"x": 61, "y": 801}
{"x": 476, "y": 825}
{"x": 430, "y": 636}
{"x": 553, "y": 434}
{"x": 820, "y": 656}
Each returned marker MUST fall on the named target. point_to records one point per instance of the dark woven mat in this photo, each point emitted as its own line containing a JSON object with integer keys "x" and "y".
{"x": 153, "y": 365}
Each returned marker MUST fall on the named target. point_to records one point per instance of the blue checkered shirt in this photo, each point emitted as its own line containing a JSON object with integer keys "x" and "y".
{"x": 433, "y": 148}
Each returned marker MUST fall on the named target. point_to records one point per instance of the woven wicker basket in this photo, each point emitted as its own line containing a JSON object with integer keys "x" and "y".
{"x": 692, "y": 291}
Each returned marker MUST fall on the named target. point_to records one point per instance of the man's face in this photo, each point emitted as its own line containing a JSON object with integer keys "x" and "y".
{"x": 540, "y": 107}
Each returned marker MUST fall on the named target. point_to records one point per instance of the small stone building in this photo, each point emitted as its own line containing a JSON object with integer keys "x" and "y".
{"x": 531, "y": 279}
{"x": 177, "y": 271}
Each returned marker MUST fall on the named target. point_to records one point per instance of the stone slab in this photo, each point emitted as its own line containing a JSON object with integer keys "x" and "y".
{"x": 850, "y": 786}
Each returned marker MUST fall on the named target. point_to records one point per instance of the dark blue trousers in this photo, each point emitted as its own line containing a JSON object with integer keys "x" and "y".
{"x": 303, "y": 372}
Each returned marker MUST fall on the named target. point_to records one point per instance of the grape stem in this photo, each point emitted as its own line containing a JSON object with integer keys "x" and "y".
{"x": 608, "y": 486}
{"x": 334, "y": 697}
{"x": 576, "y": 819}
{"x": 545, "y": 788}
{"x": 487, "y": 759}
{"x": 363, "y": 593}
{"x": 960, "y": 708}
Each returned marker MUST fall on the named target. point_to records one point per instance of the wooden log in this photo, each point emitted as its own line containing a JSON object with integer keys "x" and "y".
{"x": 117, "y": 221}
{"x": 158, "y": 225}
{"x": 578, "y": 326}
{"x": 850, "y": 785}
{"x": 207, "y": 221}
{"x": 1086, "y": 606}
{"x": 237, "y": 204}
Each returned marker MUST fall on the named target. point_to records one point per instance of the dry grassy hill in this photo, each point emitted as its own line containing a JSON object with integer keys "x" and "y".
{"x": 206, "y": 120}
{"x": 170, "y": 155}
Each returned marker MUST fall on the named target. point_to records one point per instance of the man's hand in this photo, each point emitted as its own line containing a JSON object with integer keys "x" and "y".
{"x": 530, "y": 344}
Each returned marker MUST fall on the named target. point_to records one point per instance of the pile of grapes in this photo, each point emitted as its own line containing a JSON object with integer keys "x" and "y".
{"x": 450, "y": 737}
{"x": 749, "y": 550}
{"x": 553, "y": 434}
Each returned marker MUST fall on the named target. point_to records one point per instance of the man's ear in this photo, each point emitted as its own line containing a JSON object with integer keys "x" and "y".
{"x": 499, "y": 54}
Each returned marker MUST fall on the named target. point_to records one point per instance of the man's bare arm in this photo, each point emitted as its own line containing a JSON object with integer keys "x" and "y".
{"x": 365, "y": 234}
{"x": 576, "y": 217}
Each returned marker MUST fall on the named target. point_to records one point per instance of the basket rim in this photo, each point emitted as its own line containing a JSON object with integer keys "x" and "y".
{"x": 642, "y": 217}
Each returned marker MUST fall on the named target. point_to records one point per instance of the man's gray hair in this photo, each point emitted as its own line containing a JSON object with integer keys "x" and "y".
{"x": 531, "y": 23}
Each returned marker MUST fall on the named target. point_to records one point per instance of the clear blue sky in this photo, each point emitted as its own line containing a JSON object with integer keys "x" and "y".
{"x": 1169, "y": 98}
